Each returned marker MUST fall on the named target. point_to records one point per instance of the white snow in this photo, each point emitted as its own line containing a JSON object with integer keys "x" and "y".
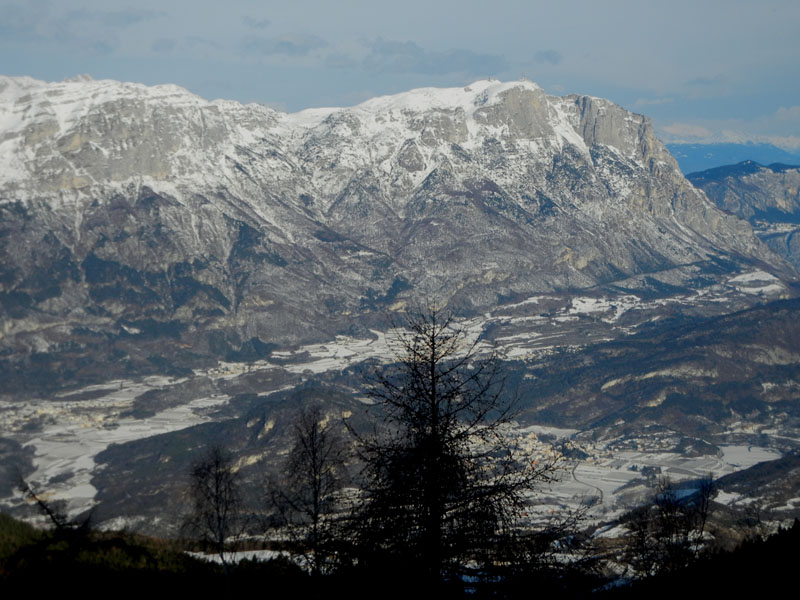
{"x": 77, "y": 430}
{"x": 589, "y": 305}
{"x": 235, "y": 557}
{"x": 743, "y": 457}
{"x": 727, "y": 498}
{"x": 384, "y": 124}
{"x": 559, "y": 432}
{"x": 759, "y": 283}
{"x": 758, "y": 275}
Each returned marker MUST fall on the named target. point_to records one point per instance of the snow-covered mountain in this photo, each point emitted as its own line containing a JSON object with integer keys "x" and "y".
{"x": 161, "y": 229}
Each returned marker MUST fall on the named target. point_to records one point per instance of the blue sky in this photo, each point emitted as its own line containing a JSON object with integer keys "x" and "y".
{"x": 703, "y": 70}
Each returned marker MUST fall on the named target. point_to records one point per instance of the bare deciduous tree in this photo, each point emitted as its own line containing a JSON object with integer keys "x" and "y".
{"x": 215, "y": 518}
{"x": 313, "y": 475}
{"x": 54, "y": 512}
{"x": 668, "y": 533}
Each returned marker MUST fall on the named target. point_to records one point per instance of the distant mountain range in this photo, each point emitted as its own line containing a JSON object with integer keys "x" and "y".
{"x": 699, "y": 157}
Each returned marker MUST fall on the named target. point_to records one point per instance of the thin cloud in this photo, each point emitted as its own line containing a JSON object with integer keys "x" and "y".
{"x": 390, "y": 56}
{"x": 163, "y": 45}
{"x": 254, "y": 23}
{"x": 338, "y": 60}
{"x": 111, "y": 19}
{"x": 707, "y": 87}
{"x": 23, "y": 21}
{"x": 653, "y": 101}
{"x": 552, "y": 57}
{"x": 787, "y": 142}
{"x": 780, "y": 128}
{"x": 287, "y": 45}
{"x": 705, "y": 81}
{"x": 195, "y": 41}
{"x": 792, "y": 113}
{"x": 687, "y": 130}
{"x": 128, "y": 17}
{"x": 95, "y": 32}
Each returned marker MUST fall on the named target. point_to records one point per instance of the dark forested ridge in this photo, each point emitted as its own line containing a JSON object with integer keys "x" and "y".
{"x": 97, "y": 562}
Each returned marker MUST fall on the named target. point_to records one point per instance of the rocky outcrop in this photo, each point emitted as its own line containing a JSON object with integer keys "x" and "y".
{"x": 768, "y": 197}
{"x": 753, "y": 191}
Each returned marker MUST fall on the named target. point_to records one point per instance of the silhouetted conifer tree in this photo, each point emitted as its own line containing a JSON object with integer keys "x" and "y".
{"x": 444, "y": 482}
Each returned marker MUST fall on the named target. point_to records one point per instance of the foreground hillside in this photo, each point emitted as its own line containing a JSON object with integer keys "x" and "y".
{"x": 101, "y": 562}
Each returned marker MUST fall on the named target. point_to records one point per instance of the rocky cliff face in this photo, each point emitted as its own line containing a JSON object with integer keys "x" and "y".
{"x": 768, "y": 197}
{"x": 753, "y": 191}
{"x": 149, "y": 225}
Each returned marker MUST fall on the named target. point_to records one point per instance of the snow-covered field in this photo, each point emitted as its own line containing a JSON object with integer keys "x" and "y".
{"x": 742, "y": 457}
{"x": 75, "y": 432}
{"x": 612, "y": 482}
{"x": 72, "y": 431}
{"x": 758, "y": 282}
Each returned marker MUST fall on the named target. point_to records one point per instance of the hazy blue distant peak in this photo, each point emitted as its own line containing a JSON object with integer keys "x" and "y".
{"x": 701, "y": 157}
{"x": 746, "y": 167}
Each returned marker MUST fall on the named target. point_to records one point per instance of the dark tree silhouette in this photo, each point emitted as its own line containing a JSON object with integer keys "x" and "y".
{"x": 55, "y": 513}
{"x": 667, "y": 534}
{"x": 216, "y": 518}
{"x": 444, "y": 482}
{"x": 313, "y": 476}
